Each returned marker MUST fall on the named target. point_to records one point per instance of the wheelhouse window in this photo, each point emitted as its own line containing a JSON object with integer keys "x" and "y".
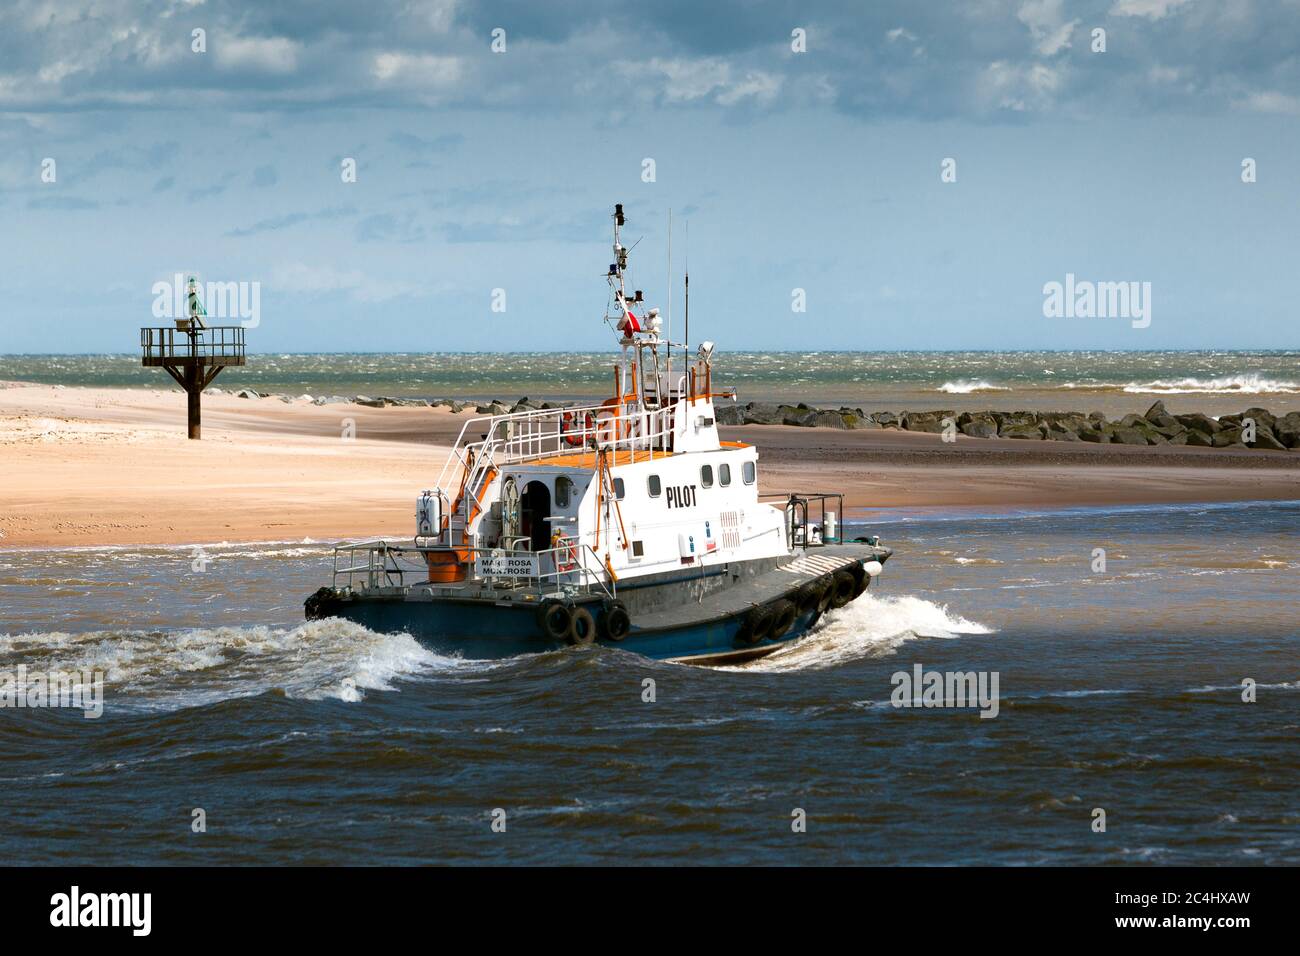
{"x": 724, "y": 475}
{"x": 620, "y": 490}
{"x": 656, "y": 486}
{"x": 706, "y": 476}
{"x": 748, "y": 472}
{"x": 563, "y": 491}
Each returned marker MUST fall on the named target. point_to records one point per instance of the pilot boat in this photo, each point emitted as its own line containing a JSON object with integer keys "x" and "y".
{"x": 626, "y": 523}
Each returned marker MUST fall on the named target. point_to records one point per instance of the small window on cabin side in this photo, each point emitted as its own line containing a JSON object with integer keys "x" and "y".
{"x": 748, "y": 472}
{"x": 724, "y": 475}
{"x": 619, "y": 489}
{"x": 638, "y": 549}
{"x": 563, "y": 491}
{"x": 706, "y": 476}
{"x": 656, "y": 486}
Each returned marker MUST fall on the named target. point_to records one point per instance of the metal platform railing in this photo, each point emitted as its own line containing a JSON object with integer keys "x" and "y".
{"x": 378, "y": 565}
{"x": 216, "y": 345}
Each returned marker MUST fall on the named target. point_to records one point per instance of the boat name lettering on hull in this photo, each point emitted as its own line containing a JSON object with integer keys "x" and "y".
{"x": 682, "y": 496}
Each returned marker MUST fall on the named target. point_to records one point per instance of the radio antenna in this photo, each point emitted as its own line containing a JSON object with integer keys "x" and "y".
{"x": 669, "y": 358}
{"x": 687, "y": 337}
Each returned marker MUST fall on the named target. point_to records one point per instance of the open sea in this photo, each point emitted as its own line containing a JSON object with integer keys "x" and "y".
{"x": 1119, "y": 689}
{"x": 1111, "y": 382}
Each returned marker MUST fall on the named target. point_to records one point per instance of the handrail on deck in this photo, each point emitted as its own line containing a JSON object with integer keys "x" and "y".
{"x": 381, "y": 568}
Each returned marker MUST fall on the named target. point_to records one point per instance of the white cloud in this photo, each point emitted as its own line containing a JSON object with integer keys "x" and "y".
{"x": 1151, "y": 9}
{"x": 300, "y": 279}
{"x": 1272, "y": 102}
{"x": 1047, "y": 25}
{"x": 1019, "y": 87}
{"x": 259, "y": 54}
{"x": 687, "y": 80}
{"x": 416, "y": 69}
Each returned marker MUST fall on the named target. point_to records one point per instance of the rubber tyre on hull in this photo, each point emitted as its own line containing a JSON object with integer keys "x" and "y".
{"x": 758, "y": 625}
{"x": 784, "y": 615}
{"x": 860, "y": 588}
{"x": 842, "y": 589}
{"x": 809, "y": 597}
{"x": 614, "y": 621}
{"x": 554, "y": 621}
{"x": 582, "y": 627}
{"x": 827, "y": 585}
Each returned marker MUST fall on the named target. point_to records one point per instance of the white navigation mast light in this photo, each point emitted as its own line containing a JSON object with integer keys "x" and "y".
{"x": 706, "y": 350}
{"x": 655, "y": 322}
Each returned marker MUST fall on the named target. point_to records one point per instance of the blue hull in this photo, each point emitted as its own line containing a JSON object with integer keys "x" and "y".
{"x": 486, "y": 631}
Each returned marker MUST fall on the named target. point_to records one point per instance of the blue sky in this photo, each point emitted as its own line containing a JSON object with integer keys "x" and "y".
{"x": 817, "y": 170}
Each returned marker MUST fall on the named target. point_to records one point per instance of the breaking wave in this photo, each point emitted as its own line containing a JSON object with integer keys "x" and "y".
{"x": 171, "y": 670}
{"x": 869, "y": 627}
{"x": 961, "y": 387}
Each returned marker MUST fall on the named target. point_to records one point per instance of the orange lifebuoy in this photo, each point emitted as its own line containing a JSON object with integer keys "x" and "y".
{"x": 566, "y": 554}
{"x": 571, "y": 438}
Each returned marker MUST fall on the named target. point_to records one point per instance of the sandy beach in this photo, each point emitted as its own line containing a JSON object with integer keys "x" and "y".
{"x": 84, "y": 466}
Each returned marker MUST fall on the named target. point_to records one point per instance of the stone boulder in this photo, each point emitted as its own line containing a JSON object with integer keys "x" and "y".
{"x": 885, "y": 419}
{"x": 762, "y": 413}
{"x": 730, "y": 415}
{"x": 1266, "y": 440}
{"x": 1262, "y": 416}
{"x": 932, "y": 422}
{"x": 829, "y": 419}
{"x": 978, "y": 425}
{"x": 1022, "y": 431}
{"x": 1121, "y": 435}
{"x": 368, "y": 402}
{"x": 1287, "y": 429}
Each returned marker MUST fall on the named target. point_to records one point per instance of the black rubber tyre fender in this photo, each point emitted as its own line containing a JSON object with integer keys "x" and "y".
{"x": 553, "y": 620}
{"x": 323, "y": 603}
{"x": 784, "y": 614}
{"x": 858, "y": 571}
{"x": 582, "y": 627}
{"x": 758, "y": 625}
{"x": 827, "y": 585}
{"x": 809, "y": 597}
{"x": 842, "y": 589}
{"x": 862, "y": 585}
{"x": 615, "y": 621}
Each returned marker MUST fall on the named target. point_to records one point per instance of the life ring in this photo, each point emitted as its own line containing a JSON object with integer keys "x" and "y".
{"x": 842, "y": 589}
{"x": 566, "y": 552}
{"x": 615, "y": 622}
{"x": 582, "y": 627}
{"x": 756, "y": 626}
{"x": 554, "y": 620}
{"x": 784, "y": 615}
{"x": 567, "y": 431}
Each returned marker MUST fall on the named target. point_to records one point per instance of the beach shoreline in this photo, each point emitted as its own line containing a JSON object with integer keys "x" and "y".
{"x": 112, "y": 466}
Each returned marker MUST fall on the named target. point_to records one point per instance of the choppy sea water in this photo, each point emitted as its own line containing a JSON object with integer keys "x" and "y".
{"x": 323, "y": 742}
{"x": 1092, "y": 380}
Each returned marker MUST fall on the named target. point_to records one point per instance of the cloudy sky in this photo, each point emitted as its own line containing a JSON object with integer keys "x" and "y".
{"x": 817, "y": 170}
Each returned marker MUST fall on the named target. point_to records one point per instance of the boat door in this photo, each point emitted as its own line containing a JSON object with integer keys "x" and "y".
{"x": 535, "y": 514}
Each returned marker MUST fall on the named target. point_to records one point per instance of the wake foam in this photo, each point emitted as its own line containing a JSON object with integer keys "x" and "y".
{"x": 168, "y": 670}
{"x": 870, "y": 627}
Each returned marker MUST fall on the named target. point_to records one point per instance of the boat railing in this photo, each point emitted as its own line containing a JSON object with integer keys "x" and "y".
{"x": 809, "y": 521}
{"x": 378, "y": 566}
{"x": 534, "y": 435}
